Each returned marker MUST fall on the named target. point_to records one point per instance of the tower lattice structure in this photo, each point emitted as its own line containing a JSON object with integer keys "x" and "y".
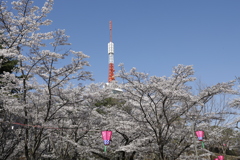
{"x": 110, "y": 56}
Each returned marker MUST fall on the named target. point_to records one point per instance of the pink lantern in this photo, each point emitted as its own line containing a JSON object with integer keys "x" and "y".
{"x": 216, "y": 159}
{"x": 221, "y": 157}
{"x": 106, "y": 136}
{"x": 200, "y": 135}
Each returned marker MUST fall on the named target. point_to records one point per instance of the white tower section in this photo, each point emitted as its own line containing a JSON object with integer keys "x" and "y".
{"x": 111, "y": 52}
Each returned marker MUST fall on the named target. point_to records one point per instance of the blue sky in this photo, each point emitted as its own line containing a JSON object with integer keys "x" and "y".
{"x": 155, "y": 35}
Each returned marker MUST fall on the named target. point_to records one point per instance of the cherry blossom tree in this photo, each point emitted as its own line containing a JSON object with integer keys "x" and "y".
{"x": 166, "y": 108}
{"x": 41, "y": 97}
{"x": 153, "y": 117}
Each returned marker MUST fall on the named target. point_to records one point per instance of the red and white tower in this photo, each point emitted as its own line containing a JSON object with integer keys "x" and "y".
{"x": 110, "y": 56}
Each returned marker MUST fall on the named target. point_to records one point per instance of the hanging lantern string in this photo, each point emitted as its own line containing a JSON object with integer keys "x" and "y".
{"x": 45, "y": 127}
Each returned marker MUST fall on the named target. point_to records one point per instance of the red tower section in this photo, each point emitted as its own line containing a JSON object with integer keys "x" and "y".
{"x": 111, "y": 72}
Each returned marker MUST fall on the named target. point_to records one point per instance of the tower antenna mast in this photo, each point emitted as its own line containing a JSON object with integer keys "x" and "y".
{"x": 110, "y": 56}
{"x": 110, "y": 28}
